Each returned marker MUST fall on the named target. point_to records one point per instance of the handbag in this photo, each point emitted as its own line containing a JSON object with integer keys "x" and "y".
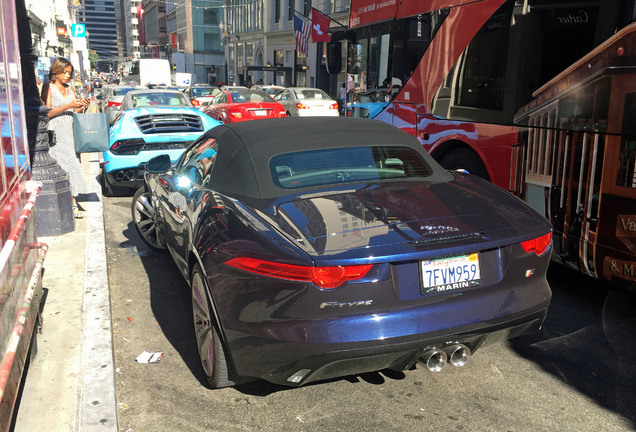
{"x": 91, "y": 132}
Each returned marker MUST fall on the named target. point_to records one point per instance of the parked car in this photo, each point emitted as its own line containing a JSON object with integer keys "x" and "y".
{"x": 305, "y": 101}
{"x": 368, "y": 103}
{"x": 201, "y": 94}
{"x": 111, "y": 98}
{"x": 241, "y": 104}
{"x": 140, "y": 134}
{"x": 366, "y": 109}
{"x": 343, "y": 248}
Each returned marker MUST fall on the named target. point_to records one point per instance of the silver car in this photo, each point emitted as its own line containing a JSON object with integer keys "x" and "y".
{"x": 111, "y": 98}
{"x": 307, "y": 102}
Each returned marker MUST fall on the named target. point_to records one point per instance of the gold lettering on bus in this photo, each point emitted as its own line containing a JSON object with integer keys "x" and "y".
{"x": 614, "y": 267}
{"x": 626, "y": 226}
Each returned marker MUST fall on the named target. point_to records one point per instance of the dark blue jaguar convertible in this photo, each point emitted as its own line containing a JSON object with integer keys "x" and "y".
{"x": 323, "y": 247}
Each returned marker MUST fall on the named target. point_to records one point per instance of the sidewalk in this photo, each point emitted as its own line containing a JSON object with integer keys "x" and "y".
{"x": 70, "y": 384}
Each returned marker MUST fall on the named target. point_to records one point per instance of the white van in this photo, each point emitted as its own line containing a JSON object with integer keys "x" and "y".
{"x": 150, "y": 72}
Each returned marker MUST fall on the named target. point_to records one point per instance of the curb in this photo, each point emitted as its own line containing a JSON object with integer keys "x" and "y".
{"x": 97, "y": 404}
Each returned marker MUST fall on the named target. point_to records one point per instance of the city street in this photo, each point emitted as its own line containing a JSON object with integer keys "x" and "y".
{"x": 576, "y": 374}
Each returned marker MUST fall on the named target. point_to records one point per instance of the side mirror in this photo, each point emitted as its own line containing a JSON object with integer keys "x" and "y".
{"x": 334, "y": 57}
{"x": 159, "y": 164}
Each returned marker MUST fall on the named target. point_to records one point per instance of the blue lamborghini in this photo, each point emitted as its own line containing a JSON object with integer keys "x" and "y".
{"x": 163, "y": 123}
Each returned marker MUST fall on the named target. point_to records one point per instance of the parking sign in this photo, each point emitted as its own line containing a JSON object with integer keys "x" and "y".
{"x": 79, "y": 30}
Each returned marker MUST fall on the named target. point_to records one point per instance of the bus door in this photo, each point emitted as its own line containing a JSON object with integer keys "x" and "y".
{"x": 581, "y": 210}
{"x": 586, "y": 156}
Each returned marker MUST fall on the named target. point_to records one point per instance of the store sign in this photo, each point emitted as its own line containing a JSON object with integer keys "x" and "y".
{"x": 79, "y": 30}
{"x": 61, "y": 28}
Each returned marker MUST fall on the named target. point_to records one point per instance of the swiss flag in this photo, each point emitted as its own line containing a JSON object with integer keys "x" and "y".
{"x": 319, "y": 26}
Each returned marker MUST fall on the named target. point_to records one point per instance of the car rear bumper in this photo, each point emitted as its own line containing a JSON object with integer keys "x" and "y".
{"x": 128, "y": 170}
{"x": 367, "y": 341}
{"x": 132, "y": 178}
{"x": 296, "y": 364}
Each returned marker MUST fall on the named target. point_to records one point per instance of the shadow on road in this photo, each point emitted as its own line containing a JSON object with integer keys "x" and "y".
{"x": 587, "y": 340}
{"x": 170, "y": 301}
{"x": 171, "y": 304}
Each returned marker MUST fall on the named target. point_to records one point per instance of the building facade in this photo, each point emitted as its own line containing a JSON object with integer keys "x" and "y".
{"x": 100, "y": 19}
{"x": 261, "y": 46}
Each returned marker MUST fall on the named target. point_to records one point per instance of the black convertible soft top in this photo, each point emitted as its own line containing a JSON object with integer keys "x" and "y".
{"x": 242, "y": 165}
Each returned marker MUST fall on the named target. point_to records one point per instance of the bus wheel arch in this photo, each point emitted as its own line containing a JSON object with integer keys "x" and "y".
{"x": 457, "y": 155}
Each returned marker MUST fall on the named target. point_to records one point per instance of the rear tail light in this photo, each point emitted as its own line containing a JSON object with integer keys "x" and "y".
{"x": 114, "y": 104}
{"x": 334, "y": 106}
{"x": 538, "y": 245}
{"x": 236, "y": 114}
{"x": 196, "y": 102}
{"x": 324, "y": 277}
{"x": 129, "y": 146}
{"x": 301, "y": 105}
{"x": 282, "y": 114}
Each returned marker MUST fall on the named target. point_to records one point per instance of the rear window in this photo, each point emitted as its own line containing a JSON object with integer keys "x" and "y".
{"x": 202, "y": 91}
{"x": 159, "y": 99}
{"x": 122, "y": 91}
{"x": 312, "y": 94}
{"x": 245, "y": 95}
{"x": 346, "y": 165}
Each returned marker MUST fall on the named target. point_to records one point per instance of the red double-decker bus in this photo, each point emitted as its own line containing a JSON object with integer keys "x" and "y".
{"x": 457, "y": 71}
{"x": 21, "y": 256}
{"x": 531, "y": 94}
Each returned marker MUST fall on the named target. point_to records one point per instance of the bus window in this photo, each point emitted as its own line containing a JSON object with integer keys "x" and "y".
{"x": 483, "y": 64}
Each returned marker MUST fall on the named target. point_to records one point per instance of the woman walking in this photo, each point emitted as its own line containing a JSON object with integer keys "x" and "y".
{"x": 62, "y": 100}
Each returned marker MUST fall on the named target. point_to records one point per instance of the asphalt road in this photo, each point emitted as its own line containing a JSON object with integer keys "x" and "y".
{"x": 576, "y": 374}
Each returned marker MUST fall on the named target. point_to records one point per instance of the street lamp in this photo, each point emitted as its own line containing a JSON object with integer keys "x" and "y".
{"x": 226, "y": 39}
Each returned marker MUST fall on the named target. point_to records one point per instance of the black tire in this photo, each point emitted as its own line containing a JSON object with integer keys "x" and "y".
{"x": 216, "y": 367}
{"x": 464, "y": 159}
{"x": 144, "y": 216}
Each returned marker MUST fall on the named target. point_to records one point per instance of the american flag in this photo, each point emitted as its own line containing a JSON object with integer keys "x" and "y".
{"x": 302, "y": 30}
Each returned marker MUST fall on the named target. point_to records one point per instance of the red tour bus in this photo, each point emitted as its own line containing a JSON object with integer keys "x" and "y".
{"x": 21, "y": 256}
{"x": 460, "y": 70}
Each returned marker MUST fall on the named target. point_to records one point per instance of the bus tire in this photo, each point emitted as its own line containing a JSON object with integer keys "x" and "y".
{"x": 464, "y": 159}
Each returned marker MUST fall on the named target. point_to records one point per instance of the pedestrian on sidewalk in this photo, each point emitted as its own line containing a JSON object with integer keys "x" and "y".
{"x": 63, "y": 101}
{"x": 343, "y": 98}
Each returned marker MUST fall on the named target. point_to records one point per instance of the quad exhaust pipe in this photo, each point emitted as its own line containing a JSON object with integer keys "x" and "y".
{"x": 435, "y": 359}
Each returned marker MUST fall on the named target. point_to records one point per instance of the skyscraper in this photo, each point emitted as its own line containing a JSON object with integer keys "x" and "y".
{"x": 101, "y": 25}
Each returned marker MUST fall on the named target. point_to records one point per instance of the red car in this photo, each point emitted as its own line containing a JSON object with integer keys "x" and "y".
{"x": 236, "y": 105}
